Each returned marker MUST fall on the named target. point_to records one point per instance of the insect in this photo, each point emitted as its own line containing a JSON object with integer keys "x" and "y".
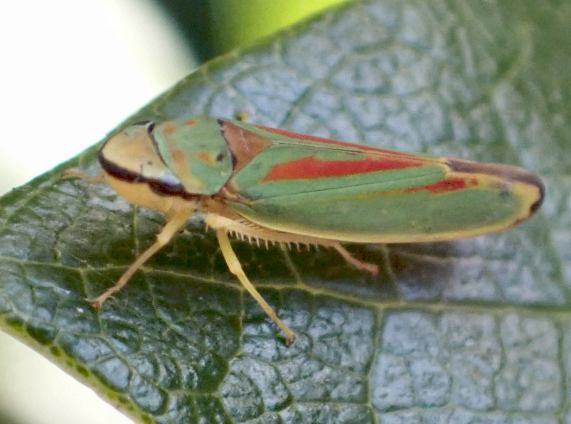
{"x": 267, "y": 184}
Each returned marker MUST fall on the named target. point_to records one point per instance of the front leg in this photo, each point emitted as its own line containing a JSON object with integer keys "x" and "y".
{"x": 90, "y": 179}
{"x": 173, "y": 225}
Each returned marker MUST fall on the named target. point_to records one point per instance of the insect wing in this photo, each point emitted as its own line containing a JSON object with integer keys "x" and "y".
{"x": 336, "y": 190}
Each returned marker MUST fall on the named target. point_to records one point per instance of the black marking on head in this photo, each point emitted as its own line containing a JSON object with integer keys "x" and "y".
{"x": 118, "y": 172}
{"x": 151, "y": 134}
{"x": 159, "y": 187}
{"x": 143, "y": 123}
{"x": 222, "y": 124}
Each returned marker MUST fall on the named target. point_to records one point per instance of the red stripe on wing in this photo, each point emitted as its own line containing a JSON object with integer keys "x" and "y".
{"x": 445, "y": 186}
{"x": 309, "y": 168}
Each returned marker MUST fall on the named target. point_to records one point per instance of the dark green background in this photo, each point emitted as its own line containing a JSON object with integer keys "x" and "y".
{"x": 470, "y": 331}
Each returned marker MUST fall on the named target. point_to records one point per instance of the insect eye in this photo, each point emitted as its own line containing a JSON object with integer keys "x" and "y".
{"x": 219, "y": 157}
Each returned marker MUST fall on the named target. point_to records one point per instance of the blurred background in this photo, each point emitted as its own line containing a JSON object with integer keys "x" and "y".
{"x": 72, "y": 70}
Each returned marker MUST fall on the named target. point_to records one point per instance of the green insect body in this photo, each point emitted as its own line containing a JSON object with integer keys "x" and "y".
{"x": 273, "y": 185}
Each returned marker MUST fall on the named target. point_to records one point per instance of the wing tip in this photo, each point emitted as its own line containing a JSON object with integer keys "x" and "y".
{"x": 505, "y": 172}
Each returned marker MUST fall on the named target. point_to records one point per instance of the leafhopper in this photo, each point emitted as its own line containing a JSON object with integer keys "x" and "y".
{"x": 270, "y": 185}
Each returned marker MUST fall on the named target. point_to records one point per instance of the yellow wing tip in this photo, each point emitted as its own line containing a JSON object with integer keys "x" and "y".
{"x": 504, "y": 172}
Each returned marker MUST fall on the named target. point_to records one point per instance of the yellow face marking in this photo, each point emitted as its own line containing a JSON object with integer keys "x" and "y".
{"x": 206, "y": 158}
{"x": 183, "y": 169}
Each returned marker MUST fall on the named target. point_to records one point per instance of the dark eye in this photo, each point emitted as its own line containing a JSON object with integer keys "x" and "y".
{"x": 219, "y": 157}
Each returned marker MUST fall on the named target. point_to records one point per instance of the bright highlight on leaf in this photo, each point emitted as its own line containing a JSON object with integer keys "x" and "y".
{"x": 237, "y": 23}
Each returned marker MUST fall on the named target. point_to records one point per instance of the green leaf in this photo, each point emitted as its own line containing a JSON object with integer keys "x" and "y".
{"x": 470, "y": 331}
{"x": 216, "y": 26}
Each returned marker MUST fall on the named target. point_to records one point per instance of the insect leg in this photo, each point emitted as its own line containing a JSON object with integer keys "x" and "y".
{"x": 173, "y": 225}
{"x": 242, "y": 229}
{"x": 363, "y": 266}
{"x": 91, "y": 179}
{"x": 235, "y": 268}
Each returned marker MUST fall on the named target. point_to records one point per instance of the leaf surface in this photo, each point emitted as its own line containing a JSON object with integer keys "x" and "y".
{"x": 471, "y": 331}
